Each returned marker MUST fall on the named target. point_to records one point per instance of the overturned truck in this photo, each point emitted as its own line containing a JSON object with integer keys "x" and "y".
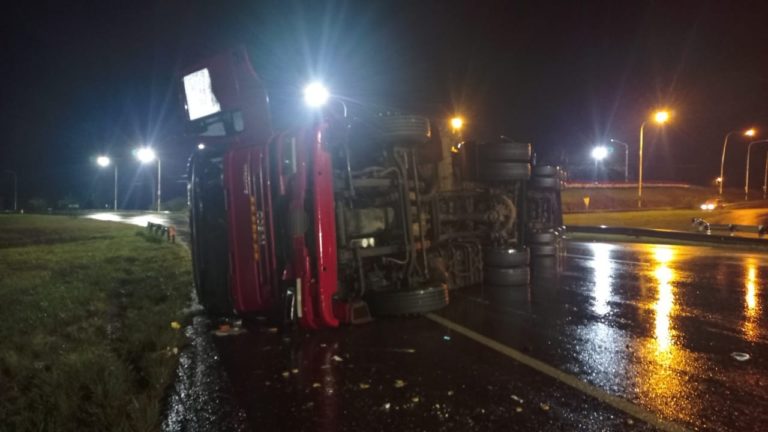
{"x": 348, "y": 216}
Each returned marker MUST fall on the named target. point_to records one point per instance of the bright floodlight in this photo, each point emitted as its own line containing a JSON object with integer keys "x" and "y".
{"x": 599, "y": 153}
{"x": 661, "y": 116}
{"x": 145, "y": 155}
{"x": 750, "y": 132}
{"x": 201, "y": 146}
{"x": 103, "y": 161}
{"x": 316, "y": 95}
{"x": 457, "y": 123}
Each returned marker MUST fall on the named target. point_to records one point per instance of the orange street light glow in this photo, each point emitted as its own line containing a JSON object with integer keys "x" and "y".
{"x": 750, "y": 132}
{"x": 661, "y": 116}
{"x": 457, "y": 123}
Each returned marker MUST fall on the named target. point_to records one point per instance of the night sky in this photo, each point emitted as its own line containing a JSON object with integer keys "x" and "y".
{"x": 83, "y": 78}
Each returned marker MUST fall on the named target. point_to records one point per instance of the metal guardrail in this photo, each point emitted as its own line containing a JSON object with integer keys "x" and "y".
{"x": 704, "y": 226}
{"x": 169, "y": 232}
{"x": 671, "y": 235}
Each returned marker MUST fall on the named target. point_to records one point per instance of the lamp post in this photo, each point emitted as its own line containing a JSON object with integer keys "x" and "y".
{"x": 659, "y": 117}
{"x": 746, "y": 175}
{"x": 626, "y": 158}
{"x": 749, "y": 133}
{"x": 147, "y": 155}
{"x": 598, "y": 154}
{"x": 15, "y": 190}
{"x": 105, "y": 161}
{"x": 765, "y": 176}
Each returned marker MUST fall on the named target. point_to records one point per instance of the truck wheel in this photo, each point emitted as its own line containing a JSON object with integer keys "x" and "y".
{"x": 546, "y": 238}
{"x": 544, "y": 183}
{"x": 506, "y": 257}
{"x": 505, "y": 171}
{"x": 507, "y": 276}
{"x": 506, "y": 152}
{"x": 408, "y": 302}
{"x": 546, "y": 171}
{"x": 403, "y": 129}
{"x": 208, "y": 232}
{"x": 538, "y": 250}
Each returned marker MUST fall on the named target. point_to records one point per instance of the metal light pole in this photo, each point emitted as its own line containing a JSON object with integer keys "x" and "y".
{"x": 660, "y": 117}
{"x": 746, "y": 175}
{"x": 105, "y": 161}
{"x": 749, "y": 133}
{"x": 765, "y": 176}
{"x": 147, "y": 155}
{"x": 15, "y": 190}
{"x": 626, "y": 158}
{"x": 159, "y": 188}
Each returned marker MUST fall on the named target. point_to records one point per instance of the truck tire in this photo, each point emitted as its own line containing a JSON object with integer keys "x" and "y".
{"x": 208, "y": 232}
{"x": 403, "y": 129}
{"x": 538, "y": 250}
{"x": 545, "y": 238}
{"x": 506, "y": 152}
{"x": 546, "y": 171}
{"x": 507, "y": 276}
{"x": 504, "y": 171}
{"x": 408, "y": 302}
{"x": 544, "y": 183}
{"x": 506, "y": 257}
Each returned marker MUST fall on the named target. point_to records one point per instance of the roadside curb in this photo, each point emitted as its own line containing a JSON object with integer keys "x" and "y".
{"x": 717, "y": 239}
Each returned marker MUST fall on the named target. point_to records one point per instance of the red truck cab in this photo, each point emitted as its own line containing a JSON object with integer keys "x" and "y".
{"x": 271, "y": 183}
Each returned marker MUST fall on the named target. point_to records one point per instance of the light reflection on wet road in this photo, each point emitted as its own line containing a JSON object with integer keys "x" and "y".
{"x": 655, "y": 324}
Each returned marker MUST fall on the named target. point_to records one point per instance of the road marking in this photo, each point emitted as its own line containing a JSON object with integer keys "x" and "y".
{"x": 614, "y": 401}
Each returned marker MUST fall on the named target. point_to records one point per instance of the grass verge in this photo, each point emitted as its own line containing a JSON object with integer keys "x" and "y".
{"x": 85, "y": 307}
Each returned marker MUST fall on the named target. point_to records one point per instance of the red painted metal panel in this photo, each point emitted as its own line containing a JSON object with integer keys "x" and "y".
{"x": 252, "y": 273}
{"x": 324, "y": 231}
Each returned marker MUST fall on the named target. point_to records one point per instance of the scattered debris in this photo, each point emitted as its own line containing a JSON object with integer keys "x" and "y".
{"x": 286, "y": 374}
{"x": 415, "y": 399}
{"x": 399, "y": 383}
{"x": 365, "y": 386}
{"x": 518, "y": 409}
{"x": 450, "y": 392}
{"x": 544, "y": 406}
{"x": 294, "y": 371}
{"x": 387, "y": 405}
{"x": 272, "y": 330}
{"x": 630, "y": 421}
{"x": 337, "y": 358}
{"x": 175, "y": 325}
{"x": 316, "y": 385}
{"x": 446, "y": 337}
{"x": 740, "y": 356}
{"x": 516, "y": 399}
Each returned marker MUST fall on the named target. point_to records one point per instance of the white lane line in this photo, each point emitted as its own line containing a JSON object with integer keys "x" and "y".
{"x": 614, "y": 401}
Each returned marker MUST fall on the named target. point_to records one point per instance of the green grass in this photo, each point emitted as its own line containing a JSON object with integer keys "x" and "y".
{"x": 626, "y": 198}
{"x": 85, "y": 308}
{"x": 679, "y": 220}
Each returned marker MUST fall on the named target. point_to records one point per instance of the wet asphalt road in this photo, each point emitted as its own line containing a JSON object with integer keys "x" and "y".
{"x": 655, "y": 325}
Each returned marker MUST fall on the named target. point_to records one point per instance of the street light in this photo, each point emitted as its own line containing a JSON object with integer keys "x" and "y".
{"x": 746, "y": 175}
{"x": 457, "y": 123}
{"x": 105, "y": 161}
{"x": 147, "y": 155}
{"x": 599, "y": 153}
{"x": 659, "y": 117}
{"x": 749, "y": 133}
{"x": 316, "y": 95}
{"x": 626, "y": 158}
{"x": 15, "y": 190}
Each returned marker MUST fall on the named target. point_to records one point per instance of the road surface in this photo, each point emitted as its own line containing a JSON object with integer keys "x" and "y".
{"x": 608, "y": 337}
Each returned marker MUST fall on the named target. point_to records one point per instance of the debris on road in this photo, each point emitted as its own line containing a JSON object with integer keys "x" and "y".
{"x": 740, "y": 356}
{"x": 399, "y": 383}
